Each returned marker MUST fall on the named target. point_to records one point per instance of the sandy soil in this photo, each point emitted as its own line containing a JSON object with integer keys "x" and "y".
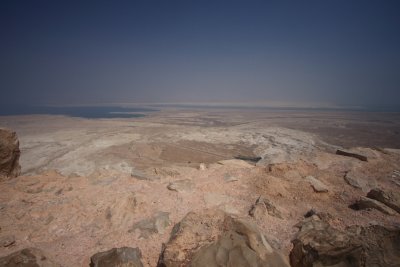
{"x": 77, "y": 196}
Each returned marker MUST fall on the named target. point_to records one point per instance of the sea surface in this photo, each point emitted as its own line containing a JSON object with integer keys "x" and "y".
{"x": 89, "y": 112}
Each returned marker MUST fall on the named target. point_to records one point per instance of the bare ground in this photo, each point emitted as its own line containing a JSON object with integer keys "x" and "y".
{"x": 77, "y": 197}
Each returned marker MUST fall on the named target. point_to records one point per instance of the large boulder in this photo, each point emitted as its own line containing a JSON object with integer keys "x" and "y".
{"x": 214, "y": 238}
{"x": 9, "y": 154}
{"x": 318, "y": 244}
{"x": 121, "y": 257}
{"x": 28, "y": 257}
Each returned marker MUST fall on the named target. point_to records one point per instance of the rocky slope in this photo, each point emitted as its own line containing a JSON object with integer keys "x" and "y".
{"x": 9, "y": 154}
{"x": 126, "y": 185}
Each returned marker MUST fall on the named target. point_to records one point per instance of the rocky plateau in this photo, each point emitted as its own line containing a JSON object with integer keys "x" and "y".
{"x": 192, "y": 187}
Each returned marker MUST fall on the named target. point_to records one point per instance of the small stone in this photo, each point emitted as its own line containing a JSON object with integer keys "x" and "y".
{"x": 317, "y": 185}
{"x": 143, "y": 176}
{"x": 353, "y": 180}
{"x": 7, "y": 241}
{"x": 58, "y": 192}
{"x": 202, "y": 167}
{"x": 181, "y": 185}
{"x": 264, "y": 206}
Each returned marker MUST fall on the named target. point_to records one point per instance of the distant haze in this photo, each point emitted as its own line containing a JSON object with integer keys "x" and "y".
{"x": 302, "y": 53}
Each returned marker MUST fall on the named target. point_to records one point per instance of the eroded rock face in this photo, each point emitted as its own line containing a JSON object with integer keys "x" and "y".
{"x": 9, "y": 154}
{"x": 28, "y": 257}
{"x": 214, "y": 238}
{"x": 319, "y": 244}
{"x": 121, "y": 257}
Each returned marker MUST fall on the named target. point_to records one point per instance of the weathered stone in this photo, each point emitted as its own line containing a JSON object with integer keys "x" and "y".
{"x": 9, "y": 154}
{"x": 185, "y": 185}
{"x": 368, "y": 203}
{"x": 317, "y": 244}
{"x": 7, "y": 241}
{"x": 202, "y": 167}
{"x": 317, "y": 185}
{"x": 214, "y": 238}
{"x": 143, "y": 176}
{"x": 352, "y": 180}
{"x": 153, "y": 225}
{"x": 121, "y": 257}
{"x": 264, "y": 206}
{"x": 351, "y": 154}
{"x": 28, "y": 257}
{"x": 389, "y": 198}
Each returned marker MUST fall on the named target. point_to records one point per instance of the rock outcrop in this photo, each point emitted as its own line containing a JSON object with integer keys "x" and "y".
{"x": 28, "y": 257}
{"x": 264, "y": 206}
{"x": 389, "y": 198}
{"x": 9, "y": 154}
{"x": 351, "y": 154}
{"x": 214, "y": 238}
{"x": 121, "y": 257}
{"x": 319, "y": 244}
{"x": 368, "y": 203}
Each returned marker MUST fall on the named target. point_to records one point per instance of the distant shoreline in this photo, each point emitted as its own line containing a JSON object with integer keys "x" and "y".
{"x": 88, "y": 112}
{"x": 124, "y": 111}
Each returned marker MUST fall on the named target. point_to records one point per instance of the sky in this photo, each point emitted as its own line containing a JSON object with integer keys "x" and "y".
{"x": 339, "y": 53}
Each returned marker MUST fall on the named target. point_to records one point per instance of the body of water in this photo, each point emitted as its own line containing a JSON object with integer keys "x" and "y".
{"x": 89, "y": 112}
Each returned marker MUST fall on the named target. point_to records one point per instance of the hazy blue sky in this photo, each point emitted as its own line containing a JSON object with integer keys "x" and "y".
{"x": 65, "y": 52}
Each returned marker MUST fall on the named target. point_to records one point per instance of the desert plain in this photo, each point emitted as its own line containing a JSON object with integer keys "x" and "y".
{"x": 89, "y": 185}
